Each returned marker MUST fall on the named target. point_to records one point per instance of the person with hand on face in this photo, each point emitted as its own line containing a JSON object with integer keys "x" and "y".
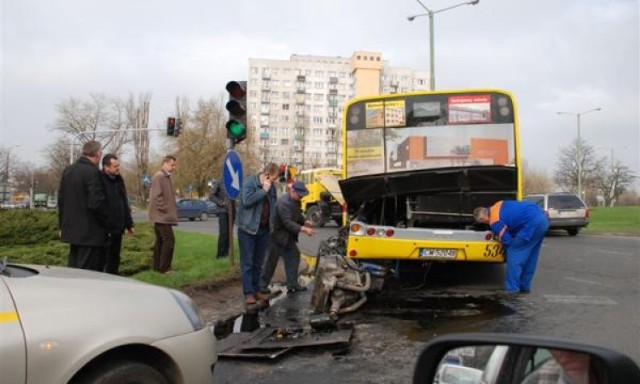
{"x": 255, "y": 216}
{"x": 520, "y": 226}
{"x": 288, "y": 224}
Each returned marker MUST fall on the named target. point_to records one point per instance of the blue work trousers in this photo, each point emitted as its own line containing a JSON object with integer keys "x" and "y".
{"x": 522, "y": 258}
{"x": 253, "y": 249}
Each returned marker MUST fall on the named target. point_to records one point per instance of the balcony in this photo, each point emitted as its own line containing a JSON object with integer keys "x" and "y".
{"x": 264, "y": 135}
{"x": 333, "y": 103}
{"x": 266, "y": 75}
{"x": 298, "y": 136}
{"x": 301, "y": 78}
{"x": 333, "y": 92}
{"x": 300, "y": 99}
{"x": 333, "y": 80}
{"x": 301, "y": 90}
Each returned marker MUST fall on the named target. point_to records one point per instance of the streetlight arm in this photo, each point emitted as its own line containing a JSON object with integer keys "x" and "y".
{"x": 455, "y": 6}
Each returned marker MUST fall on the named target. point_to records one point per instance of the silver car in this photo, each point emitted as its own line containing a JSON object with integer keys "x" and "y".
{"x": 564, "y": 210}
{"x": 62, "y": 325}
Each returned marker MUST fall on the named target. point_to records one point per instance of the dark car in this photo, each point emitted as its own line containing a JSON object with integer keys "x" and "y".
{"x": 564, "y": 210}
{"x": 212, "y": 209}
{"x": 193, "y": 209}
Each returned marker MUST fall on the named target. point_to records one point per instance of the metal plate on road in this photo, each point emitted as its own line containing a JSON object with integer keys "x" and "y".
{"x": 438, "y": 253}
{"x": 232, "y": 175}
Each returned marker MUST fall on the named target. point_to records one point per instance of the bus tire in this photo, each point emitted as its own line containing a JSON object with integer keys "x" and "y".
{"x": 314, "y": 215}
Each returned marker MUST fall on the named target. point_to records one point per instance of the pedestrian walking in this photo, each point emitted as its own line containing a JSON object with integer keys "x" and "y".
{"x": 119, "y": 218}
{"x": 255, "y": 215}
{"x": 520, "y": 226}
{"x": 163, "y": 213}
{"x": 219, "y": 197}
{"x": 289, "y": 222}
{"x": 82, "y": 212}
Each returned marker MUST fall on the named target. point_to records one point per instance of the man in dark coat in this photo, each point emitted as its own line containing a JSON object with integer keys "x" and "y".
{"x": 219, "y": 197}
{"x": 288, "y": 224}
{"x": 119, "y": 211}
{"x": 82, "y": 213}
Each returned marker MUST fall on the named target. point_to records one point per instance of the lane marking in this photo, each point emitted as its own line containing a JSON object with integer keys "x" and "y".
{"x": 587, "y": 281}
{"x": 578, "y": 299}
{"x": 608, "y": 252}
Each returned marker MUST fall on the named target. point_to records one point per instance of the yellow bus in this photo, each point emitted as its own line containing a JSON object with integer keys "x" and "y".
{"x": 416, "y": 165}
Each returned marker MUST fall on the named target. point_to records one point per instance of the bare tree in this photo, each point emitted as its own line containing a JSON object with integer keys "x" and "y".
{"x": 566, "y": 172}
{"x": 613, "y": 182}
{"x": 57, "y": 156}
{"x": 94, "y": 119}
{"x": 138, "y": 119}
{"x": 201, "y": 144}
{"x": 535, "y": 180}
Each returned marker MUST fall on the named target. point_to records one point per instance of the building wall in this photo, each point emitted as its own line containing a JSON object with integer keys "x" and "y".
{"x": 295, "y": 106}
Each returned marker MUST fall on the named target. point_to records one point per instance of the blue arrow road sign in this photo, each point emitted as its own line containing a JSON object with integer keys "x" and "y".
{"x": 232, "y": 174}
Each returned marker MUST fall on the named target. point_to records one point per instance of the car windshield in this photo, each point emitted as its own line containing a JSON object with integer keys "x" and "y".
{"x": 565, "y": 202}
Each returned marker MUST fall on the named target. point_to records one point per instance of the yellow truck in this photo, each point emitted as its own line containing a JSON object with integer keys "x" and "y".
{"x": 324, "y": 201}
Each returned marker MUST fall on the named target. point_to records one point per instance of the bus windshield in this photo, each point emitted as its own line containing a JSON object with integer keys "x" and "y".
{"x": 414, "y": 132}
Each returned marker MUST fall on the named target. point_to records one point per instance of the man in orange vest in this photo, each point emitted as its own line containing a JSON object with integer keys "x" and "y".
{"x": 520, "y": 226}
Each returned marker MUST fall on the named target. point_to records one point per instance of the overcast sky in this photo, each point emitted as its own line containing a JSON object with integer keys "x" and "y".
{"x": 554, "y": 55}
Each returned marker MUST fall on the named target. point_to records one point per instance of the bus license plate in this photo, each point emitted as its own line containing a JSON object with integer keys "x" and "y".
{"x": 438, "y": 252}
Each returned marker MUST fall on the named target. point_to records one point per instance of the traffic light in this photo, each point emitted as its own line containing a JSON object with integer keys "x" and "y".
{"x": 178, "y": 127}
{"x": 171, "y": 126}
{"x": 237, "y": 108}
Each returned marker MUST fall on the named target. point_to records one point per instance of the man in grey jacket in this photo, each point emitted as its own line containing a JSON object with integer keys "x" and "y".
{"x": 163, "y": 213}
{"x": 288, "y": 224}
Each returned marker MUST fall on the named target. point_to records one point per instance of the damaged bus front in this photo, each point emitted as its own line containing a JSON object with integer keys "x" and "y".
{"x": 415, "y": 167}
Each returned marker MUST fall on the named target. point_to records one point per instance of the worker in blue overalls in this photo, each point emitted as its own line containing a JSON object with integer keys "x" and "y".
{"x": 520, "y": 226}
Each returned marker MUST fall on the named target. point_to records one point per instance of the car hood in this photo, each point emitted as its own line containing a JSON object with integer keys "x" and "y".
{"x": 61, "y": 303}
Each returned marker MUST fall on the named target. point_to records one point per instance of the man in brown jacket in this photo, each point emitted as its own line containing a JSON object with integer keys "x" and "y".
{"x": 163, "y": 213}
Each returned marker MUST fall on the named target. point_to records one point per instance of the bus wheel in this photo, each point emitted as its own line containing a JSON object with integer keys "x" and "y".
{"x": 314, "y": 215}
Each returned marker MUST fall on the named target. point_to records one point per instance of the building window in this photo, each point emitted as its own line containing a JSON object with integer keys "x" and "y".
{"x": 286, "y": 95}
{"x": 319, "y": 73}
{"x": 254, "y": 70}
{"x": 317, "y": 120}
{"x": 319, "y": 85}
{"x": 253, "y": 93}
{"x": 285, "y": 107}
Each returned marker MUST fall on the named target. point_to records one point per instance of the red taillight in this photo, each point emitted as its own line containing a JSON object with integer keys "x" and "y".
{"x": 587, "y": 213}
{"x": 355, "y": 227}
{"x": 371, "y": 231}
{"x": 488, "y": 236}
{"x": 390, "y": 233}
{"x": 353, "y": 253}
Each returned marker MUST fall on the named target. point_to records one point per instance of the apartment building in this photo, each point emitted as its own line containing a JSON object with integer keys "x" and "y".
{"x": 295, "y": 106}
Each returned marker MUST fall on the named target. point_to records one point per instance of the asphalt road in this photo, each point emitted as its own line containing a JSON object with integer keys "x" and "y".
{"x": 587, "y": 289}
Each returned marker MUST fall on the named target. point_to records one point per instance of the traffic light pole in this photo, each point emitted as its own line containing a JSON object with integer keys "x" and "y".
{"x": 78, "y": 135}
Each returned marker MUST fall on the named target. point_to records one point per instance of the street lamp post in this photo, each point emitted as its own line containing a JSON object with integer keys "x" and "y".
{"x": 430, "y": 13}
{"x": 579, "y": 144}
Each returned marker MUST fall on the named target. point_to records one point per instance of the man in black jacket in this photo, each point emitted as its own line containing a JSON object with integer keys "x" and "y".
{"x": 119, "y": 211}
{"x": 288, "y": 224}
{"x": 219, "y": 197}
{"x": 82, "y": 214}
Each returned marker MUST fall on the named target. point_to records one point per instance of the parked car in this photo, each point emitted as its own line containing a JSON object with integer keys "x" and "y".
{"x": 212, "y": 209}
{"x": 192, "y": 209}
{"x": 524, "y": 359}
{"x": 64, "y": 325}
{"x": 564, "y": 210}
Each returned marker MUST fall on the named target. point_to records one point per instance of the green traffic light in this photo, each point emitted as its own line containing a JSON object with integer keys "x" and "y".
{"x": 235, "y": 128}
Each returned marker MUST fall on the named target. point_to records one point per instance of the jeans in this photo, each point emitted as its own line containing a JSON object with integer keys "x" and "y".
{"x": 253, "y": 249}
{"x": 291, "y": 256}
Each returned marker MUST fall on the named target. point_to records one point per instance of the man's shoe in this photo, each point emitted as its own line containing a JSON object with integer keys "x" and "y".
{"x": 250, "y": 300}
{"x": 262, "y": 296}
{"x": 297, "y": 288}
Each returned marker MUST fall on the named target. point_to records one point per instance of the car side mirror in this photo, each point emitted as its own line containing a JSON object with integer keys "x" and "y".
{"x": 508, "y": 358}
